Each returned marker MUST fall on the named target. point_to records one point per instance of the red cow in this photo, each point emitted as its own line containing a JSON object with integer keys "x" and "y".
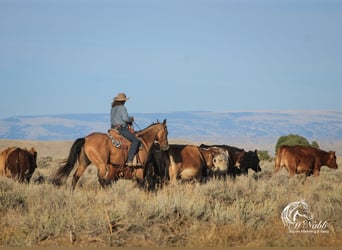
{"x": 304, "y": 159}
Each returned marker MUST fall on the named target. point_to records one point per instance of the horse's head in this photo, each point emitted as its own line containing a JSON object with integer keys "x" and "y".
{"x": 161, "y": 136}
{"x": 155, "y": 133}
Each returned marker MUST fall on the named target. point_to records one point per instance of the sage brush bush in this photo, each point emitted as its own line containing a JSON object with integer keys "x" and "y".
{"x": 219, "y": 213}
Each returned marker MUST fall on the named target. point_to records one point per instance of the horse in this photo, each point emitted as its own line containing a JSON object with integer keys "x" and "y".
{"x": 20, "y": 164}
{"x": 98, "y": 148}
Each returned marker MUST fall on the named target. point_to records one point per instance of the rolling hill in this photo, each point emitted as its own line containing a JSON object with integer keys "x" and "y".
{"x": 250, "y": 129}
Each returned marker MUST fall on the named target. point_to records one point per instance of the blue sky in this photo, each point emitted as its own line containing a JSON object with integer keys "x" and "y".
{"x": 73, "y": 56}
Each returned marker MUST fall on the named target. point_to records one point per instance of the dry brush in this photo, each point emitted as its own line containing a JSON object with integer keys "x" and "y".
{"x": 244, "y": 212}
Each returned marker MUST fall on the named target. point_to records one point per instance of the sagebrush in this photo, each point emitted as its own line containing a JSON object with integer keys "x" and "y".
{"x": 219, "y": 213}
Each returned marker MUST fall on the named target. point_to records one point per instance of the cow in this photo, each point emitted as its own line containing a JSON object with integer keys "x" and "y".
{"x": 3, "y": 156}
{"x": 217, "y": 160}
{"x": 187, "y": 162}
{"x": 304, "y": 160}
{"x": 157, "y": 167}
{"x": 239, "y": 160}
{"x": 20, "y": 164}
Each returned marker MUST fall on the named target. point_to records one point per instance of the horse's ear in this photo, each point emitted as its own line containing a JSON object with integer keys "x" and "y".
{"x": 164, "y": 122}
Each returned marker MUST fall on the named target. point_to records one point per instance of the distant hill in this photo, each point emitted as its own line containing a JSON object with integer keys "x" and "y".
{"x": 257, "y": 129}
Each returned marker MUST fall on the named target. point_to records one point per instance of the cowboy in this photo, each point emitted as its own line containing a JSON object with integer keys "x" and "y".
{"x": 120, "y": 120}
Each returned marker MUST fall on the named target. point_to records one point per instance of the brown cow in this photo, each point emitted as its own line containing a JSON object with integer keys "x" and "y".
{"x": 217, "y": 160}
{"x": 304, "y": 159}
{"x": 3, "y": 156}
{"x": 20, "y": 164}
{"x": 190, "y": 162}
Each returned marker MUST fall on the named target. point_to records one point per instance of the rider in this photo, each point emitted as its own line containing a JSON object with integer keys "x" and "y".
{"x": 120, "y": 120}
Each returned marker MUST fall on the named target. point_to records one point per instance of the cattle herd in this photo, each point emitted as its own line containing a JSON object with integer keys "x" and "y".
{"x": 189, "y": 162}
{"x": 202, "y": 162}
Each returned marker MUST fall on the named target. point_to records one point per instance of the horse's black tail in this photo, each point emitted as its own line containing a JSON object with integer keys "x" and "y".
{"x": 66, "y": 169}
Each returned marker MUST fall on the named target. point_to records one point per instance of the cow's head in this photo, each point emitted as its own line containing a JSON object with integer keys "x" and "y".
{"x": 33, "y": 152}
{"x": 331, "y": 163}
{"x": 248, "y": 160}
{"x": 32, "y": 164}
{"x": 220, "y": 160}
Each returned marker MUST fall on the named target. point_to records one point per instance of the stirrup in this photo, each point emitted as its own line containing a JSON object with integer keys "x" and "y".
{"x": 129, "y": 164}
{"x": 133, "y": 164}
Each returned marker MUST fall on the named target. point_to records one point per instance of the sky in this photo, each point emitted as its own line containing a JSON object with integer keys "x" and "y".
{"x": 73, "y": 56}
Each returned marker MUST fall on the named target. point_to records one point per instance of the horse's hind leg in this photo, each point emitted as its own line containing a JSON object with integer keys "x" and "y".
{"x": 79, "y": 172}
{"x": 105, "y": 174}
{"x": 82, "y": 166}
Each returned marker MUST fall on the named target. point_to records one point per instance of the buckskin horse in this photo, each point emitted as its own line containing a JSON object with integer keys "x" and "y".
{"x": 97, "y": 148}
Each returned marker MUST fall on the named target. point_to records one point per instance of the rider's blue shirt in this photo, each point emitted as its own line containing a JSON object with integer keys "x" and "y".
{"x": 119, "y": 116}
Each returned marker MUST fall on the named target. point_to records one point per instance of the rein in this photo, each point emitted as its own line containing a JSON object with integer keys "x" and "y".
{"x": 144, "y": 143}
{"x": 136, "y": 125}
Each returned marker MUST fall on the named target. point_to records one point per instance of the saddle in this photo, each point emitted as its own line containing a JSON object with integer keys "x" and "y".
{"x": 118, "y": 140}
{"x": 123, "y": 144}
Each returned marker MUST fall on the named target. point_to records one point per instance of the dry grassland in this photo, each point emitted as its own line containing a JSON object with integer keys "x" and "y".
{"x": 216, "y": 214}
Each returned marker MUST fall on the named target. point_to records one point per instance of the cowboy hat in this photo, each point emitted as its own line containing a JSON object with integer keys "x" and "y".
{"x": 121, "y": 97}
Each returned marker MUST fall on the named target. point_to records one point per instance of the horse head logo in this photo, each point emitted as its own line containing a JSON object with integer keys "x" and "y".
{"x": 295, "y": 213}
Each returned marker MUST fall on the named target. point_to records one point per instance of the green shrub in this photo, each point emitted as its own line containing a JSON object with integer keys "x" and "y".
{"x": 314, "y": 144}
{"x": 293, "y": 140}
{"x": 264, "y": 155}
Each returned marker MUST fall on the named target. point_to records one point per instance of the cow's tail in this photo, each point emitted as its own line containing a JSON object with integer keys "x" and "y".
{"x": 64, "y": 171}
{"x": 278, "y": 160}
